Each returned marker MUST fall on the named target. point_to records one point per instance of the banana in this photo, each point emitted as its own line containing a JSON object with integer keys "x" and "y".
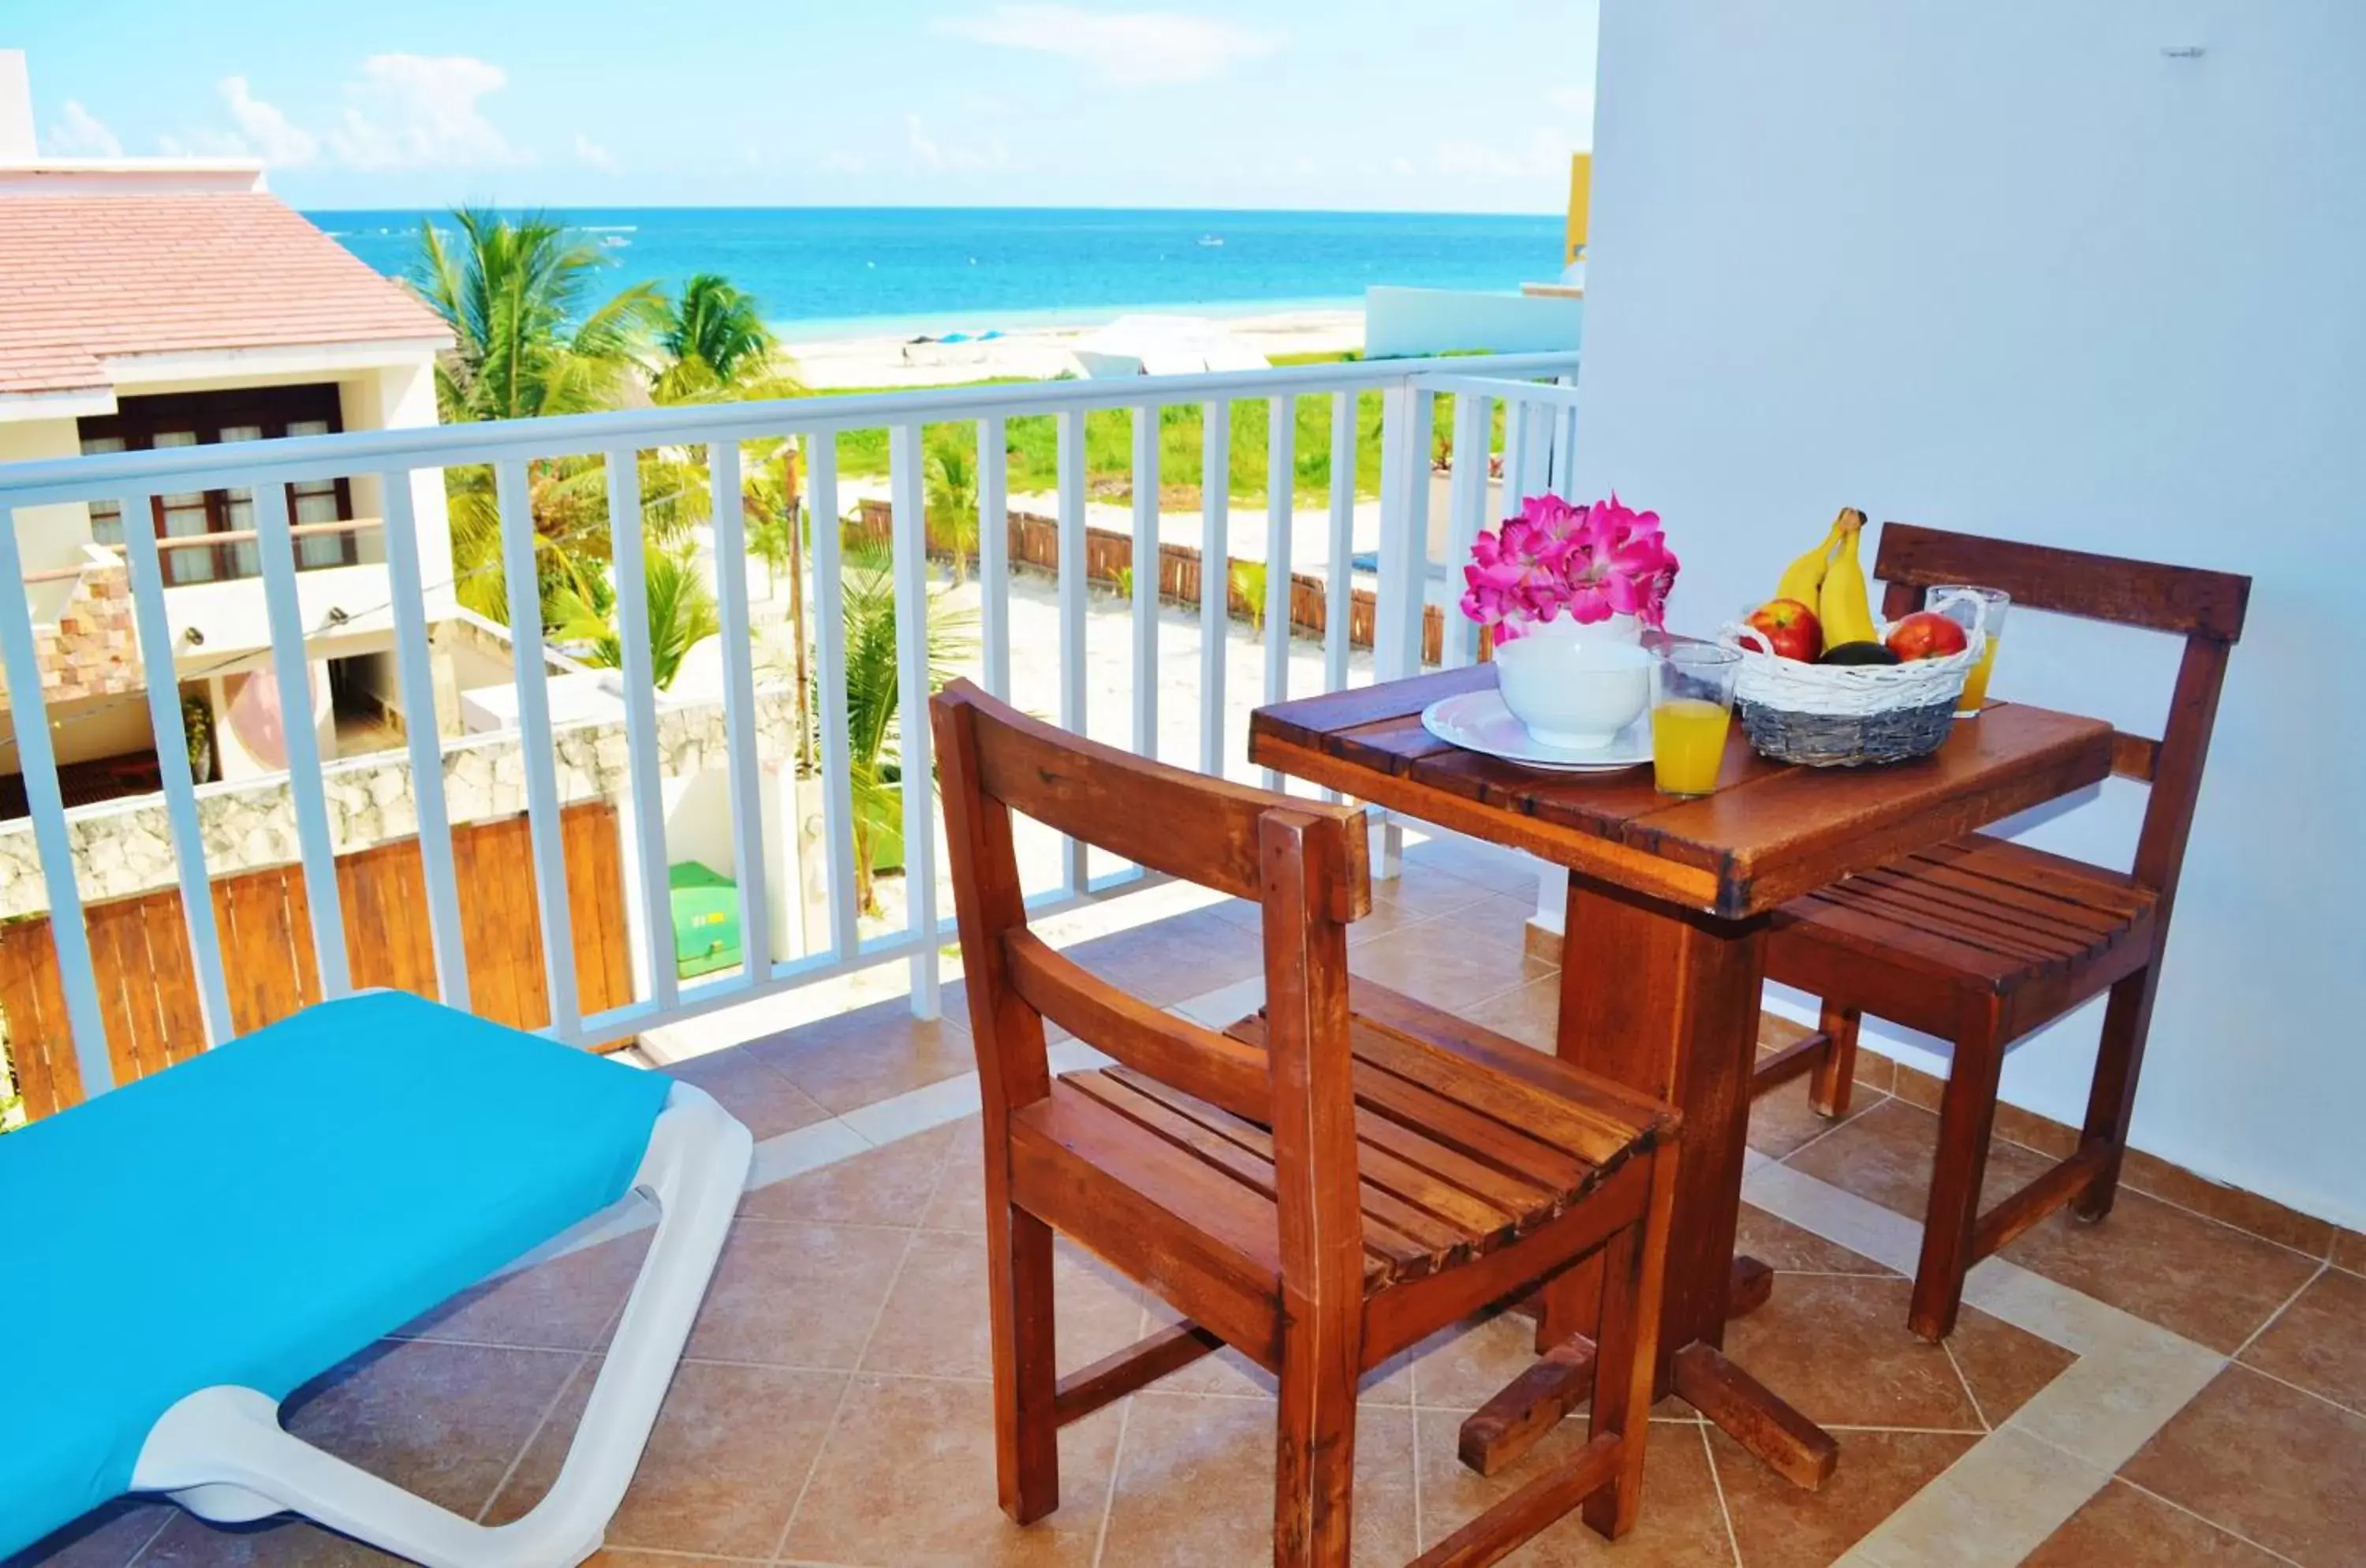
{"x": 1803, "y": 580}
{"x": 1842, "y": 605}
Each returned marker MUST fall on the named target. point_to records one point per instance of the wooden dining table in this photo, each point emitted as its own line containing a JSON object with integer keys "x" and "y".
{"x": 1663, "y": 954}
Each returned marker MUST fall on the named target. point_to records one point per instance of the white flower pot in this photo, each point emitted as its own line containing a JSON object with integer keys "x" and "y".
{"x": 1575, "y": 687}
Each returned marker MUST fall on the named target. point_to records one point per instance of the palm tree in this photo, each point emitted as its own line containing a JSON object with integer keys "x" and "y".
{"x": 717, "y": 328}
{"x": 951, "y": 504}
{"x": 873, "y": 700}
{"x": 529, "y": 342}
{"x": 681, "y": 616}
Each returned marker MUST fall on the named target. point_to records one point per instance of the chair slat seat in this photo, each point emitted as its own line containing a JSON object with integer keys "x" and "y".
{"x": 1981, "y": 912}
{"x": 1455, "y": 1158}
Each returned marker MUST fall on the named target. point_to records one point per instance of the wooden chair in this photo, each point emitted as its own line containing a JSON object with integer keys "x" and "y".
{"x": 1982, "y": 940}
{"x": 1318, "y": 1187}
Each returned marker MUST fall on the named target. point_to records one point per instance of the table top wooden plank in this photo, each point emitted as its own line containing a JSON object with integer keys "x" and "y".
{"x": 1770, "y": 832}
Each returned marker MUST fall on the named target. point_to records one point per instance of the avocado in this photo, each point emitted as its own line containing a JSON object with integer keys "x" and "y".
{"x": 1858, "y": 653}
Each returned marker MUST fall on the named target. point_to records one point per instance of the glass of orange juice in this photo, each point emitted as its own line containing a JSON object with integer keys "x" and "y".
{"x": 1969, "y": 604}
{"x": 1692, "y": 705}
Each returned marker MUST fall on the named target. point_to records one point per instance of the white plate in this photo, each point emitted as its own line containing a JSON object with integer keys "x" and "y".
{"x": 1478, "y": 721}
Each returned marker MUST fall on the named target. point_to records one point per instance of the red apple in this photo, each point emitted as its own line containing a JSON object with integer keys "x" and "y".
{"x": 1925, "y": 634}
{"x": 1790, "y": 629}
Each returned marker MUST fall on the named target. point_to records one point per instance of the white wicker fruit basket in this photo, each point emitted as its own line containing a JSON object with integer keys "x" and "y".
{"x": 1847, "y": 716}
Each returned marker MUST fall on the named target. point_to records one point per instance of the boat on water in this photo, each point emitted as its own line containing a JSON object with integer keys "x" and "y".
{"x": 1210, "y": 242}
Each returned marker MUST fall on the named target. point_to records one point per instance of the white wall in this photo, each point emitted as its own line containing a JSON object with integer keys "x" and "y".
{"x": 2008, "y": 268}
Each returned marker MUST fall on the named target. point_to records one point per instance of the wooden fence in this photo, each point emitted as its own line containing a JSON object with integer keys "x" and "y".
{"x": 1035, "y": 544}
{"x": 148, "y": 989}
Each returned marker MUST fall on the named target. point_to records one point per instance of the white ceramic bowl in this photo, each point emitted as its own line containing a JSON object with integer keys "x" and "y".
{"x": 1574, "y": 696}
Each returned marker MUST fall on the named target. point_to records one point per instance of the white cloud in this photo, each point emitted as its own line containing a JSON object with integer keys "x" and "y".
{"x": 591, "y": 155}
{"x": 416, "y": 110}
{"x": 1544, "y": 155}
{"x": 1124, "y": 49}
{"x": 404, "y": 111}
{"x": 264, "y": 130}
{"x": 81, "y": 134}
{"x": 929, "y": 154}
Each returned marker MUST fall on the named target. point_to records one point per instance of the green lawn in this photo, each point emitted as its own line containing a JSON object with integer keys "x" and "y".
{"x": 1034, "y": 445}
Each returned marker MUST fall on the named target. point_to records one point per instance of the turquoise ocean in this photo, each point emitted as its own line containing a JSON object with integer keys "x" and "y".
{"x": 846, "y": 272}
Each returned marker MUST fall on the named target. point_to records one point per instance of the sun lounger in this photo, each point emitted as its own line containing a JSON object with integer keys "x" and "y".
{"x": 188, "y": 1249}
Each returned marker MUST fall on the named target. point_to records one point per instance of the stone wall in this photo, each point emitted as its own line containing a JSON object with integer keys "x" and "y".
{"x": 124, "y": 847}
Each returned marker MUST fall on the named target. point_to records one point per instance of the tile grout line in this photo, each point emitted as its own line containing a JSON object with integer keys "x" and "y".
{"x": 161, "y": 1526}
{"x": 1717, "y": 1484}
{"x": 2276, "y": 1317}
{"x": 1835, "y": 1125}
{"x": 541, "y": 1422}
{"x": 1979, "y": 1412}
{"x": 845, "y": 1393}
{"x": 2223, "y": 1530}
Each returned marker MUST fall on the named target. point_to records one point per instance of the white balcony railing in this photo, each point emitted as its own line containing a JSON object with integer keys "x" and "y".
{"x": 1536, "y": 390}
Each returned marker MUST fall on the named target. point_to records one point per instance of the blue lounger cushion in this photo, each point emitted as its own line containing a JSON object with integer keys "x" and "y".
{"x": 257, "y": 1214}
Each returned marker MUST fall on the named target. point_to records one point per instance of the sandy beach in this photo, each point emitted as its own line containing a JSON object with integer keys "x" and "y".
{"x": 1037, "y": 352}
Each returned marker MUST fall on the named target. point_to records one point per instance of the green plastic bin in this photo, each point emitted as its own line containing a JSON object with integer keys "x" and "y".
{"x": 706, "y": 918}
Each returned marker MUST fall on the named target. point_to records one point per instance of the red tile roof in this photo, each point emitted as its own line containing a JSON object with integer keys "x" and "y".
{"x": 83, "y": 278}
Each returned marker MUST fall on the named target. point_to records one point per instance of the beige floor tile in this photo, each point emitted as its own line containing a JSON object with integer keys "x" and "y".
{"x": 1781, "y": 1121}
{"x": 1463, "y": 1367}
{"x": 1227, "y": 1371}
{"x": 1837, "y": 1348}
{"x": 1195, "y": 1484}
{"x": 1777, "y": 1525}
{"x": 1172, "y": 959}
{"x": 2005, "y": 1367}
{"x": 1425, "y": 888}
{"x": 937, "y": 1320}
{"x": 2124, "y": 1528}
{"x": 564, "y": 1305}
{"x": 444, "y": 1421}
{"x": 1497, "y": 870}
{"x": 1682, "y": 1524}
{"x": 190, "y": 1542}
{"x": 959, "y": 1203}
{"x": 796, "y": 1293}
{"x": 2212, "y": 1283}
{"x": 1446, "y": 962}
{"x": 906, "y": 1480}
{"x": 857, "y": 1058}
{"x": 731, "y": 1447}
{"x": 887, "y": 1186}
{"x": 1529, "y": 1013}
{"x": 1782, "y": 1244}
{"x": 2274, "y": 1465}
{"x": 1883, "y": 1155}
{"x": 105, "y": 1538}
{"x": 743, "y": 1083}
{"x": 2350, "y": 1250}
{"x": 2319, "y": 1342}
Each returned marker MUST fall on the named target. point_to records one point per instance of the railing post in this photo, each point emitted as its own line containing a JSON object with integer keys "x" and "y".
{"x": 37, "y": 763}
{"x": 994, "y": 552}
{"x": 1074, "y": 590}
{"x": 1146, "y": 563}
{"x": 1280, "y": 492}
{"x": 829, "y": 662}
{"x": 911, "y": 532}
{"x": 1215, "y": 576}
{"x": 545, "y": 832}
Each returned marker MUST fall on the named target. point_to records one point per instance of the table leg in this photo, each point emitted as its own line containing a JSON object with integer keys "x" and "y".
{"x": 1666, "y": 1001}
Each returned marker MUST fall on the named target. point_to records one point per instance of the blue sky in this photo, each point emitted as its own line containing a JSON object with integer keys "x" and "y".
{"x": 1358, "y": 104}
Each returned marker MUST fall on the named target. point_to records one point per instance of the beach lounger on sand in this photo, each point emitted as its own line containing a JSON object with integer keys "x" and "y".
{"x": 186, "y": 1250}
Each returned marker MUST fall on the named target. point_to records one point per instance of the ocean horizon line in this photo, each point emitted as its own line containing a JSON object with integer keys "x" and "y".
{"x": 846, "y": 329}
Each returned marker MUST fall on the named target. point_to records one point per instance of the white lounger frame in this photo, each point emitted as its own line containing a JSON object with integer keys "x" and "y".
{"x": 221, "y": 1453}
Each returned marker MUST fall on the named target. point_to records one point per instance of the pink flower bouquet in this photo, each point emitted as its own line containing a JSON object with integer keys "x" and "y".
{"x": 1592, "y": 561}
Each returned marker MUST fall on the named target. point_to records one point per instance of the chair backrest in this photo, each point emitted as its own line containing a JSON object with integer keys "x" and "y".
{"x": 2206, "y": 608}
{"x": 1304, "y": 861}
